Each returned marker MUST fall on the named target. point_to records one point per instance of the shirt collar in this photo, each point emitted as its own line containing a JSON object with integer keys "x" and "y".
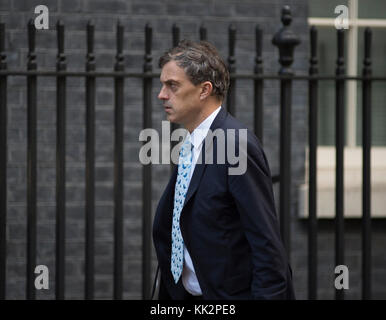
{"x": 199, "y": 134}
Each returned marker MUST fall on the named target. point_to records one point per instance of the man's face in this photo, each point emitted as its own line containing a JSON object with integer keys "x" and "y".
{"x": 180, "y": 97}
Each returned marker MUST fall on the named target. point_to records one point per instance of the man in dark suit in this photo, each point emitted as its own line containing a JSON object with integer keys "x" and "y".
{"x": 216, "y": 234}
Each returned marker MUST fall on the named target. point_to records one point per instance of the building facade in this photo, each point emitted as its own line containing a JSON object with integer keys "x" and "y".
{"x": 216, "y": 15}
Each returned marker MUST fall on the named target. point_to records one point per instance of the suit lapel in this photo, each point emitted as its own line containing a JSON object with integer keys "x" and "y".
{"x": 167, "y": 199}
{"x": 200, "y": 167}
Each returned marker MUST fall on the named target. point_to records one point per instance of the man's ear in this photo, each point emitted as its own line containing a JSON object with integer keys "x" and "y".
{"x": 206, "y": 90}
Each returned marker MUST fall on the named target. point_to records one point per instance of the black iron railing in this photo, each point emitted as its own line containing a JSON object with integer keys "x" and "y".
{"x": 286, "y": 41}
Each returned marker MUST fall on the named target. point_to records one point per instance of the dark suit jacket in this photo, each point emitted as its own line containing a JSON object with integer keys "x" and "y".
{"x": 230, "y": 228}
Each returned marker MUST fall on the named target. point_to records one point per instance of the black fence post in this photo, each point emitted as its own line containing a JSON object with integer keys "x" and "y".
{"x": 366, "y": 190}
{"x": 231, "y": 96}
{"x": 90, "y": 165}
{"x": 175, "y": 34}
{"x": 286, "y": 41}
{"x": 146, "y": 180}
{"x": 31, "y": 163}
{"x": 118, "y": 167}
{"x": 60, "y": 165}
{"x": 258, "y": 86}
{"x": 174, "y": 126}
{"x": 3, "y": 164}
{"x": 312, "y": 142}
{"x": 203, "y": 33}
{"x": 339, "y": 173}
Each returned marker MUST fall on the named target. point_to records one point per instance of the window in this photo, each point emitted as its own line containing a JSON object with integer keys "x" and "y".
{"x": 362, "y": 14}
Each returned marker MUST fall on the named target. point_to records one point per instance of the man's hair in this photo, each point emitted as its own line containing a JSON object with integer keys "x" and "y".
{"x": 201, "y": 62}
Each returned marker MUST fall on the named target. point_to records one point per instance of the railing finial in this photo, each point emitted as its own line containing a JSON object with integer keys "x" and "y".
{"x": 286, "y": 16}
{"x": 286, "y": 41}
{"x": 2, "y": 46}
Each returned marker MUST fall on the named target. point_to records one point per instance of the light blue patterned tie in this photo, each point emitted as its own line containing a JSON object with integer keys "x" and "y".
{"x": 182, "y": 184}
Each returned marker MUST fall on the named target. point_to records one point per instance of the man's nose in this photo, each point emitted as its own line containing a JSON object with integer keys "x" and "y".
{"x": 162, "y": 94}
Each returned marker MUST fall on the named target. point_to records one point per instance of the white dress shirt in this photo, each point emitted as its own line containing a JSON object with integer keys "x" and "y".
{"x": 189, "y": 278}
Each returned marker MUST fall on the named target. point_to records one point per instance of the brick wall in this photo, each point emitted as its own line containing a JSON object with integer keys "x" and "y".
{"x": 216, "y": 15}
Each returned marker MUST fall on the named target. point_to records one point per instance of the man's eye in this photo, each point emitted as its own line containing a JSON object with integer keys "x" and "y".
{"x": 173, "y": 87}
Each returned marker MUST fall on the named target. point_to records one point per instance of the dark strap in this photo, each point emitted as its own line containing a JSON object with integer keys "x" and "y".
{"x": 154, "y": 283}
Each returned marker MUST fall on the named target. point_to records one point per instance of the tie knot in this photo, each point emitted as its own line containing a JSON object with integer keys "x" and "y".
{"x": 186, "y": 147}
{"x": 186, "y": 152}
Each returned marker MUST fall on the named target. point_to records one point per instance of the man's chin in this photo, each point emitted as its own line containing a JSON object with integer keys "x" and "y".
{"x": 170, "y": 118}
